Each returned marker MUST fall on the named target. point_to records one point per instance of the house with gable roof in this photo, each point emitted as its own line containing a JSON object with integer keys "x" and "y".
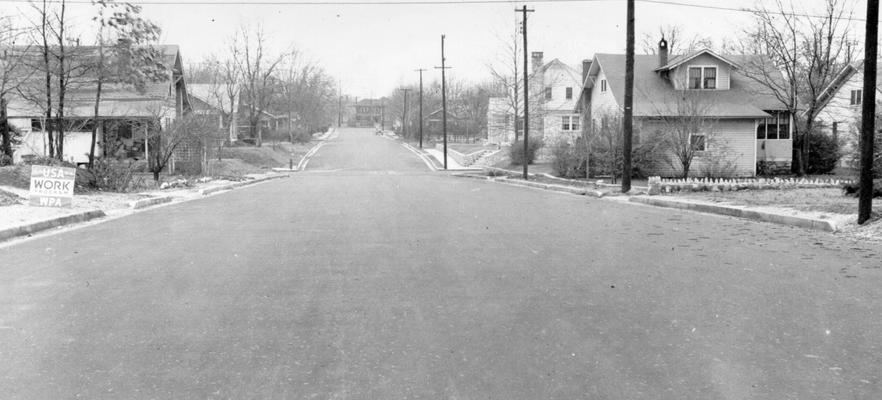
{"x": 840, "y": 109}
{"x": 750, "y": 125}
{"x": 126, "y": 113}
{"x": 554, "y": 90}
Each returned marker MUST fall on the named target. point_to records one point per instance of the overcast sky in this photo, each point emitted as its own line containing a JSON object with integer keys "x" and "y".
{"x": 373, "y": 48}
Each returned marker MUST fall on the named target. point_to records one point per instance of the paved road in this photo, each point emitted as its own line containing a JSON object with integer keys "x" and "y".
{"x": 368, "y": 277}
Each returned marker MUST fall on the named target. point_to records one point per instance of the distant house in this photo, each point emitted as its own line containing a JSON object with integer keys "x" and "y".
{"x": 554, "y": 90}
{"x": 750, "y": 125}
{"x": 840, "y": 111}
{"x": 126, "y": 113}
{"x": 371, "y": 113}
{"x": 213, "y": 102}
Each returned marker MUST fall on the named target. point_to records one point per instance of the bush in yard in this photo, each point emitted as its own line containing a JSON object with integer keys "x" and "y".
{"x": 516, "y": 151}
{"x": 854, "y": 188}
{"x": 568, "y": 161}
{"x": 110, "y": 176}
{"x": 5, "y": 160}
{"x": 824, "y": 153}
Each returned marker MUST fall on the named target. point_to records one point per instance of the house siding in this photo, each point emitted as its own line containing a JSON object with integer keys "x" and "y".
{"x": 730, "y": 151}
{"x": 846, "y": 117}
{"x": 602, "y": 102}
{"x": 680, "y": 74}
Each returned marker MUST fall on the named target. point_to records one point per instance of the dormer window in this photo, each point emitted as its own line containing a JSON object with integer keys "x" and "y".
{"x": 702, "y": 77}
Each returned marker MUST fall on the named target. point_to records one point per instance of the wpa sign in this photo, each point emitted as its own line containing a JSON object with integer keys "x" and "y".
{"x": 52, "y": 186}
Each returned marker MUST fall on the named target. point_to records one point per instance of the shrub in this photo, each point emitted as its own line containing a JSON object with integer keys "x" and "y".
{"x": 5, "y": 160}
{"x": 301, "y": 136}
{"x": 516, "y": 151}
{"x": 568, "y": 161}
{"x": 854, "y": 189}
{"x": 824, "y": 153}
{"x": 110, "y": 176}
{"x": 43, "y": 160}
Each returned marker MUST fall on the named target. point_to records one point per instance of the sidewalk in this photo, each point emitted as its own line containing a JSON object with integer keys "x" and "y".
{"x": 21, "y": 219}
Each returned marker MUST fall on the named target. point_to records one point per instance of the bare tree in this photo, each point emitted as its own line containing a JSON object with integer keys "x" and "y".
{"x": 130, "y": 60}
{"x": 508, "y": 77}
{"x": 809, "y": 51}
{"x": 685, "y": 129}
{"x": 257, "y": 66}
{"x": 678, "y": 42}
{"x": 13, "y": 73}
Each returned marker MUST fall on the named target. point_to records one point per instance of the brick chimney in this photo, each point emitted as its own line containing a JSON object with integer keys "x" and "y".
{"x": 586, "y": 65}
{"x": 662, "y": 52}
{"x": 537, "y": 60}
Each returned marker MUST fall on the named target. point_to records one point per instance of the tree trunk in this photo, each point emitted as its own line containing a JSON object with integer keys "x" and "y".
{"x": 4, "y": 129}
{"x": 59, "y": 148}
{"x": 95, "y": 123}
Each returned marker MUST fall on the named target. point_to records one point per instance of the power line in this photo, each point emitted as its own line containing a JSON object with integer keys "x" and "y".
{"x": 429, "y": 2}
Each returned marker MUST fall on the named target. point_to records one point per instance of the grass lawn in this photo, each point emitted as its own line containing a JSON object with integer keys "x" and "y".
{"x": 829, "y": 200}
{"x": 270, "y": 155}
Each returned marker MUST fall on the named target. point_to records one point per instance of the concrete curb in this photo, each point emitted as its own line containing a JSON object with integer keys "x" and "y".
{"x": 38, "y": 226}
{"x": 741, "y": 212}
{"x": 536, "y": 185}
{"x": 232, "y": 186}
{"x": 144, "y": 203}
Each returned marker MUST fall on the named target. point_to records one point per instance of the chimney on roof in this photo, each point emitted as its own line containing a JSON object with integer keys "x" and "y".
{"x": 537, "y": 60}
{"x": 586, "y": 65}
{"x": 662, "y": 52}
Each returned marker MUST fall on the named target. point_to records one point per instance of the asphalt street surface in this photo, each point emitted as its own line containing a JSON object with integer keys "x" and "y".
{"x": 367, "y": 276}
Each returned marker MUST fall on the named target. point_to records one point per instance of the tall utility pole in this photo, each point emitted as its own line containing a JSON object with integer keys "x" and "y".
{"x": 628, "y": 123}
{"x": 404, "y": 115}
{"x": 868, "y": 112}
{"x": 524, "y": 10}
{"x": 443, "y": 67}
{"x": 421, "y": 105}
{"x": 382, "y": 115}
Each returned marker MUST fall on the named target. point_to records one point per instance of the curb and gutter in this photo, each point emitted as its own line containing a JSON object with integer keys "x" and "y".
{"x": 149, "y": 202}
{"x": 707, "y": 208}
{"x": 235, "y": 185}
{"x": 740, "y": 212}
{"x": 43, "y": 225}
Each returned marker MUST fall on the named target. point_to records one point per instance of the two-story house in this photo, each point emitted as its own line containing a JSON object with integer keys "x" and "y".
{"x": 840, "y": 110}
{"x": 554, "y": 90}
{"x": 748, "y": 124}
{"x": 371, "y": 113}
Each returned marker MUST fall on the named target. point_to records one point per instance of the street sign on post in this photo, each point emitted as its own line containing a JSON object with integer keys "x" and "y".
{"x": 52, "y": 186}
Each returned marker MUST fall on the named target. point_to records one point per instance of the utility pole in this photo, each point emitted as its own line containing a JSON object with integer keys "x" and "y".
{"x": 421, "y": 105}
{"x": 443, "y": 67}
{"x": 524, "y": 10}
{"x": 382, "y": 115}
{"x": 404, "y": 115}
{"x": 868, "y": 112}
{"x": 628, "y": 123}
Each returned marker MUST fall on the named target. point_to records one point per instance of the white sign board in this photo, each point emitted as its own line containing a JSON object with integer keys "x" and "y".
{"x": 52, "y": 186}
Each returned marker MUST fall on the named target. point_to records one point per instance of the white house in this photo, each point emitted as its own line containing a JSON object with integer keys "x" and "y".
{"x": 749, "y": 125}
{"x": 554, "y": 90}
{"x": 840, "y": 111}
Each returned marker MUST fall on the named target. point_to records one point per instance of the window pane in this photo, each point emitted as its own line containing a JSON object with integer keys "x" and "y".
{"x": 569, "y": 93}
{"x": 710, "y": 78}
{"x": 565, "y": 123}
{"x": 694, "y": 78}
{"x": 575, "y": 123}
{"x": 548, "y": 93}
{"x": 761, "y": 130}
{"x": 772, "y": 133}
{"x": 697, "y": 142}
{"x": 783, "y": 127}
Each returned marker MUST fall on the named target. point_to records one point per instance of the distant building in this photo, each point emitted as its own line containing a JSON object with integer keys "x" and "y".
{"x": 372, "y": 112}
